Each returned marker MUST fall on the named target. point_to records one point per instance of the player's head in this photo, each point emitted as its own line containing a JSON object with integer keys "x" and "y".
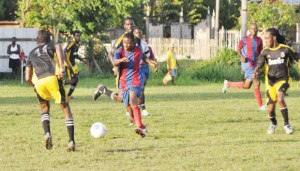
{"x": 13, "y": 40}
{"x": 171, "y": 47}
{"x": 128, "y": 41}
{"x": 253, "y": 29}
{"x": 137, "y": 32}
{"x": 129, "y": 24}
{"x": 43, "y": 37}
{"x": 273, "y": 37}
{"x": 76, "y": 35}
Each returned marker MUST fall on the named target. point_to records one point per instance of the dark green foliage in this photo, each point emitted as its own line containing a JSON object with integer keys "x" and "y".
{"x": 225, "y": 66}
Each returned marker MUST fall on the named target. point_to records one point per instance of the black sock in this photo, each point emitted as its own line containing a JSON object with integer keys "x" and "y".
{"x": 284, "y": 112}
{"x": 273, "y": 118}
{"x": 70, "y": 128}
{"x": 107, "y": 92}
{"x": 72, "y": 88}
{"x": 45, "y": 118}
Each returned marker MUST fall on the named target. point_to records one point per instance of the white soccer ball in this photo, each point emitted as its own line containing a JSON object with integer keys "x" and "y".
{"x": 98, "y": 129}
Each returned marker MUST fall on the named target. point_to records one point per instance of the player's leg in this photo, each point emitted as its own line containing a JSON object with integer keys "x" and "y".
{"x": 141, "y": 100}
{"x": 41, "y": 91}
{"x": 272, "y": 116}
{"x": 101, "y": 89}
{"x": 133, "y": 101}
{"x": 58, "y": 93}
{"x": 45, "y": 119}
{"x": 283, "y": 108}
{"x": 69, "y": 121}
{"x": 257, "y": 94}
{"x": 74, "y": 82}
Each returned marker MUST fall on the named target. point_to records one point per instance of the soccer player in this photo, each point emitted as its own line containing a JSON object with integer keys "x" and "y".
{"x": 249, "y": 49}
{"x": 128, "y": 59}
{"x": 277, "y": 59}
{"x": 72, "y": 69}
{"x": 48, "y": 85}
{"x": 144, "y": 67}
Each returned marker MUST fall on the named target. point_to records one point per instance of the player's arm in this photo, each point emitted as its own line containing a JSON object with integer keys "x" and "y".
{"x": 152, "y": 63}
{"x": 118, "y": 58}
{"x": 60, "y": 58}
{"x": 239, "y": 51}
{"x": 259, "y": 64}
{"x": 28, "y": 71}
{"x": 28, "y": 74}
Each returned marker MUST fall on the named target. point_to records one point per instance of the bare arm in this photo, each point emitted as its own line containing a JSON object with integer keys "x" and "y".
{"x": 28, "y": 75}
{"x": 152, "y": 63}
{"x": 60, "y": 58}
{"x": 117, "y": 62}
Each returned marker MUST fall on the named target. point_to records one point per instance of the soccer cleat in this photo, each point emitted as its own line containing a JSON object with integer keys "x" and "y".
{"x": 145, "y": 113}
{"x": 131, "y": 123}
{"x": 225, "y": 87}
{"x": 141, "y": 132}
{"x": 271, "y": 129}
{"x": 100, "y": 90}
{"x": 71, "y": 146}
{"x": 263, "y": 108}
{"x": 48, "y": 141}
{"x": 288, "y": 129}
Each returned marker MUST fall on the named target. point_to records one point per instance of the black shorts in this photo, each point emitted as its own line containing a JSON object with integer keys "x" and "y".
{"x": 14, "y": 63}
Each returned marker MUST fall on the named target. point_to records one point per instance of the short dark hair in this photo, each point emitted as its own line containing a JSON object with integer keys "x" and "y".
{"x": 76, "y": 31}
{"x": 128, "y": 18}
{"x": 44, "y": 36}
{"x": 129, "y": 36}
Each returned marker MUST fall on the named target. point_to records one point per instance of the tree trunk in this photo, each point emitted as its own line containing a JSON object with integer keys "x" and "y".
{"x": 96, "y": 64}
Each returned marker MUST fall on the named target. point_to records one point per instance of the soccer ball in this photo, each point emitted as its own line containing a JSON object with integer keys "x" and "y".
{"x": 98, "y": 129}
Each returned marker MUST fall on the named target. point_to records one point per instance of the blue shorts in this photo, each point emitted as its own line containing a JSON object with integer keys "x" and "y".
{"x": 248, "y": 72}
{"x": 145, "y": 71}
{"x": 173, "y": 73}
{"x": 126, "y": 94}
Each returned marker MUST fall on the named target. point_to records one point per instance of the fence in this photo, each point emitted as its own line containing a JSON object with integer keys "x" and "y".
{"x": 26, "y": 38}
{"x": 203, "y": 48}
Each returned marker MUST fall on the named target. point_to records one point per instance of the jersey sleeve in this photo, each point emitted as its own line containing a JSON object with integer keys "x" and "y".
{"x": 293, "y": 55}
{"x": 69, "y": 47}
{"x": 117, "y": 54}
{"x": 241, "y": 44}
{"x": 28, "y": 62}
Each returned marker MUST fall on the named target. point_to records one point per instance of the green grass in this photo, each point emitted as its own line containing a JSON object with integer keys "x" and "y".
{"x": 191, "y": 128}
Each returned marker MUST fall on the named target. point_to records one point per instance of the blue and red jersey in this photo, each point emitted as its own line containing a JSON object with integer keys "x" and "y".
{"x": 251, "y": 48}
{"x": 129, "y": 72}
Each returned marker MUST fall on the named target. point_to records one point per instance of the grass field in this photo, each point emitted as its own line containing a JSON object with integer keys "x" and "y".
{"x": 191, "y": 128}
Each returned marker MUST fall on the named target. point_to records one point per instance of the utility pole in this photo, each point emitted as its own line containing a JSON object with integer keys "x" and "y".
{"x": 244, "y": 18}
{"x": 217, "y": 21}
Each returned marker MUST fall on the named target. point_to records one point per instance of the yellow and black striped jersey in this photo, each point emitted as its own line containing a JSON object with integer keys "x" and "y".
{"x": 277, "y": 62}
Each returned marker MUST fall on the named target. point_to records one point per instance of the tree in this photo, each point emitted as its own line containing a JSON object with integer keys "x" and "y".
{"x": 274, "y": 14}
{"x": 89, "y": 16}
{"x": 8, "y": 9}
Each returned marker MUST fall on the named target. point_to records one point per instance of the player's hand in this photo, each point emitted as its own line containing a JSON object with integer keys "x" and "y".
{"x": 254, "y": 75}
{"x": 243, "y": 59}
{"x": 125, "y": 59}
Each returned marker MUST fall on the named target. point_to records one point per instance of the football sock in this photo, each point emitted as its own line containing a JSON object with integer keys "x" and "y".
{"x": 45, "y": 118}
{"x": 72, "y": 88}
{"x": 258, "y": 96}
{"x": 107, "y": 92}
{"x": 137, "y": 117}
{"x": 70, "y": 127}
{"x": 273, "y": 118}
{"x": 235, "y": 84}
{"x": 284, "y": 112}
